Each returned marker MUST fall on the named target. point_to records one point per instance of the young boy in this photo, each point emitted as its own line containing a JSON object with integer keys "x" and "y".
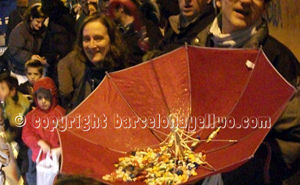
{"x": 15, "y": 107}
{"x": 16, "y": 104}
{"x": 34, "y": 70}
{"x": 36, "y": 134}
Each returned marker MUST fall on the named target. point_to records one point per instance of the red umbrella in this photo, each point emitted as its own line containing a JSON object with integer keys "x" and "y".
{"x": 203, "y": 88}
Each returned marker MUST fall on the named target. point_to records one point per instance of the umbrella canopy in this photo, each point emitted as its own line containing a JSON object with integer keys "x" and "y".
{"x": 200, "y": 89}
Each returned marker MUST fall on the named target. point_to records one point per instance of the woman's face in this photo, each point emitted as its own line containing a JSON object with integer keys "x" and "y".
{"x": 240, "y": 14}
{"x": 95, "y": 41}
{"x": 37, "y": 23}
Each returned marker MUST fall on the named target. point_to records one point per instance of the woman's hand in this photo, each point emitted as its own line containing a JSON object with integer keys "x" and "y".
{"x": 36, "y": 57}
{"x": 44, "y": 146}
{"x": 39, "y": 58}
{"x": 43, "y": 60}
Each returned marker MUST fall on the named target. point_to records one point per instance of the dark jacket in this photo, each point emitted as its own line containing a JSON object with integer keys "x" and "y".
{"x": 79, "y": 21}
{"x": 15, "y": 17}
{"x": 23, "y": 43}
{"x": 71, "y": 72}
{"x": 77, "y": 78}
{"x": 131, "y": 38}
{"x": 175, "y": 36}
{"x": 26, "y": 88}
{"x": 59, "y": 39}
{"x": 283, "y": 142}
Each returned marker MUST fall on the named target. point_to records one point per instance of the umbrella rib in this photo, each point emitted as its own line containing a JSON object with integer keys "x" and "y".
{"x": 94, "y": 143}
{"x": 248, "y": 81}
{"x": 111, "y": 149}
{"x": 231, "y": 143}
{"x": 243, "y": 92}
{"x": 220, "y": 148}
{"x": 131, "y": 108}
{"x": 160, "y": 88}
{"x": 189, "y": 83}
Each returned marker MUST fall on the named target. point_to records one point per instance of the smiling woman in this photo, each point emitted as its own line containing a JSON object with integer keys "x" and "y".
{"x": 99, "y": 48}
{"x": 95, "y": 41}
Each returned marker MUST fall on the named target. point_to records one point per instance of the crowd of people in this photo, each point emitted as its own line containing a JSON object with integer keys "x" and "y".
{"x": 58, "y": 53}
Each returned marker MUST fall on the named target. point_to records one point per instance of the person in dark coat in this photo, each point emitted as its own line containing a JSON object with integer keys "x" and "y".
{"x": 81, "y": 11}
{"x": 129, "y": 28}
{"x": 194, "y": 16}
{"x": 183, "y": 28}
{"x": 60, "y": 35}
{"x": 241, "y": 25}
{"x": 15, "y": 17}
{"x": 98, "y": 49}
{"x": 25, "y": 41}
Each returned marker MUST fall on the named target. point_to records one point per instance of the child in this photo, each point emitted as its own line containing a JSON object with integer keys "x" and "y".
{"x": 8, "y": 170}
{"x": 16, "y": 106}
{"x": 34, "y": 70}
{"x": 42, "y": 136}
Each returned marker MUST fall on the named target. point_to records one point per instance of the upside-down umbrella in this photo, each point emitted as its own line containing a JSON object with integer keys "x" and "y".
{"x": 203, "y": 88}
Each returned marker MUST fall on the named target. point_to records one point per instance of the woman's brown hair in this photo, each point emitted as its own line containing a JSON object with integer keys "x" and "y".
{"x": 117, "y": 55}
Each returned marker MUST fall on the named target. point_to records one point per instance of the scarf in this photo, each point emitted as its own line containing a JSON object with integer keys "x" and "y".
{"x": 231, "y": 40}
